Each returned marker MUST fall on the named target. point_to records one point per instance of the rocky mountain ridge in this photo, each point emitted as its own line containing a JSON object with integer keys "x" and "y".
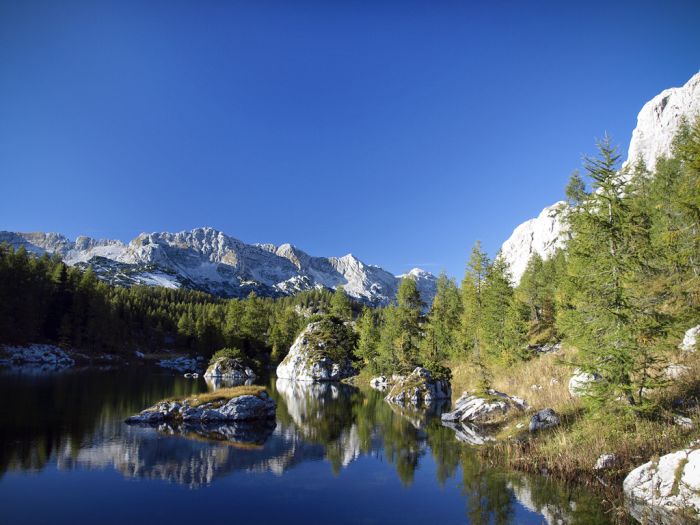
{"x": 208, "y": 260}
{"x": 657, "y": 124}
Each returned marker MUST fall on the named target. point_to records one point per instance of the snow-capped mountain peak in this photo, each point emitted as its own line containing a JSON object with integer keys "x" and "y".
{"x": 209, "y": 260}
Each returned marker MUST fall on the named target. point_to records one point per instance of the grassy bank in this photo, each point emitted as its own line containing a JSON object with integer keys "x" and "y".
{"x": 570, "y": 451}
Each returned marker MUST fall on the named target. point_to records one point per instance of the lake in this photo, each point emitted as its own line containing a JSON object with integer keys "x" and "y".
{"x": 336, "y": 455}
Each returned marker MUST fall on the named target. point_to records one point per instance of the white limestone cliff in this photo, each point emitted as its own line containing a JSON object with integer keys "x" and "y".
{"x": 657, "y": 124}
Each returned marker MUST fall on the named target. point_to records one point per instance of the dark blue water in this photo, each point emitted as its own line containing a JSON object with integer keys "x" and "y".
{"x": 336, "y": 455}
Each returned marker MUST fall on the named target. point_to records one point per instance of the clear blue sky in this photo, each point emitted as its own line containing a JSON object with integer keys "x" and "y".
{"x": 399, "y": 131}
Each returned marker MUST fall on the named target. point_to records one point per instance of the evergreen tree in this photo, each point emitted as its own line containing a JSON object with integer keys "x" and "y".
{"x": 340, "y": 304}
{"x": 408, "y": 313}
{"x": 497, "y": 296}
{"x": 368, "y": 339}
{"x": 473, "y": 313}
{"x": 442, "y": 331}
{"x": 605, "y": 321}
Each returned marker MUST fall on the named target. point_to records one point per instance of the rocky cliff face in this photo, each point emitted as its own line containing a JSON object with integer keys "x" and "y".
{"x": 657, "y": 124}
{"x": 208, "y": 260}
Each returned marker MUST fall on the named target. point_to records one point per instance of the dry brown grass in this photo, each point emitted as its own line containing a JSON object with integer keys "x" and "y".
{"x": 548, "y": 371}
{"x": 222, "y": 394}
{"x": 570, "y": 451}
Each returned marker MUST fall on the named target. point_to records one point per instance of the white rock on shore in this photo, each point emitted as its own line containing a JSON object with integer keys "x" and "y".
{"x": 666, "y": 491}
{"x": 39, "y": 357}
{"x": 690, "y": 339}
{"x": 484, "y": 409}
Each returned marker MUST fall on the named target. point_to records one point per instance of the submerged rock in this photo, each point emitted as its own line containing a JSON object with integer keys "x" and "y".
{"x": 545, "y": 418}
{"x": 666, "y": 490}
{"x": 309, "y": 358}
{"x": 229, "y": 368}
{"x": 244, "y": 407}
{"x": 489, "y": 408}
{"x": 418, "y": 389}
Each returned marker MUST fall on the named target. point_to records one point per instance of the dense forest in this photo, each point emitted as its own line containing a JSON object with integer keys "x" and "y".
{"x": 44, "y": 300}
{"x": 622, "y": 292}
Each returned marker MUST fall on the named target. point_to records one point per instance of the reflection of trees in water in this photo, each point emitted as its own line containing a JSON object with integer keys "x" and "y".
{"x": 488, "y": 497}
{"x": 77, "y": 418}
{"x": 42, "y": 415}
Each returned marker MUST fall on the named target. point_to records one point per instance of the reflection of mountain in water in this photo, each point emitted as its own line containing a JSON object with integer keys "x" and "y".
{"x": 75, "y": 420}
{"x": 173, "y": 455}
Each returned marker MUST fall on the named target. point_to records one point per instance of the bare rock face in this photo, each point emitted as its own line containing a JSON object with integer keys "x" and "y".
{"x": 309, "y": 358}
{"x": 209, "y": 260}
{"x": 657, "y": 124}
{"x": 667, "y": 490}
{"x": 418, "y": 389}
{"x": 489, "y": 409}
{"x": 660, "y": 119}
{"x": 542, "y": 235}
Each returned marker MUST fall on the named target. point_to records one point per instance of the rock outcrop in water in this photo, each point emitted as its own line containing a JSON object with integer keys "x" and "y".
{"x": 418, "y": 389}
{"x": 230, "y": 369}
{"x": 667, "y": 490}
{"x": 230, "y": 407}
{"x": 320, "y": 353}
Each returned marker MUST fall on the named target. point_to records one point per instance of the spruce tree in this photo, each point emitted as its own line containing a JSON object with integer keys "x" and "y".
{"x": 473, "y": 314}
{"x": 340, "y": 304}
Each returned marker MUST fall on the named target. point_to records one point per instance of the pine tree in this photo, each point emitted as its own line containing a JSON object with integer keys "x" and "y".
{"x": 368, "y": 339}
{"x": 340, "y": 304}
{"x": 442, "y": 331}
{"x": 473, "y": 313}
{"x": 605, "y": 320}
{"x": 497, "y": 296}
{"x": 409, "y": 309}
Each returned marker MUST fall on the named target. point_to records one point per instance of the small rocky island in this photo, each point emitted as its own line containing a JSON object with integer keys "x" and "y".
{"x": 322, "y": 352}
{"x": 240, "y": 403}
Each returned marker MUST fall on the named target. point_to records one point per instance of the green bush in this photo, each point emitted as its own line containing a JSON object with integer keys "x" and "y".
{"x": 231, "y": 353}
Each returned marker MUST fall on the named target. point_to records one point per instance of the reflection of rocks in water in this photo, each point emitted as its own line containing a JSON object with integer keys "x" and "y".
{"x": 241, "y": 433}
{"x": 468, "y": 433}
{"x": 419, "y": 418}
{"x": 551, "y": 513}
{"x": 322, "y": 412}
{"x": 151, "y": 453}
{"x": 215, "y": 383}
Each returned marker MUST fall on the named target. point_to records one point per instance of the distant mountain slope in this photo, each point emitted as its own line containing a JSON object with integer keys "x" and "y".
{"x": 657, "y": 124}
{"x": 208, "y": 260}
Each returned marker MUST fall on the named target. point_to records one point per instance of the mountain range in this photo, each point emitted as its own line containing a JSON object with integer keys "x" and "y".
{"x": 208, "y": 260}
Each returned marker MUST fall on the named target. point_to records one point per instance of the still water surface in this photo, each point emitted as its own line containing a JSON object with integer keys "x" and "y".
{"x": 336, "y": 455}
